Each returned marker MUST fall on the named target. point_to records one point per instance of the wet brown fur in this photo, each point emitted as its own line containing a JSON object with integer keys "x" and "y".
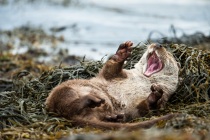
{"x": 89, "y": 102}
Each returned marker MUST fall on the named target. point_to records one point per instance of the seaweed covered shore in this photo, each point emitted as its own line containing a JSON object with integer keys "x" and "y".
{"x": 25, "y": 83}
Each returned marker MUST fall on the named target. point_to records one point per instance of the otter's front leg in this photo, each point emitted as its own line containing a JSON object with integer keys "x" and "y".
{"x": 113, "y": 67}
{"x": 152, "y": 101}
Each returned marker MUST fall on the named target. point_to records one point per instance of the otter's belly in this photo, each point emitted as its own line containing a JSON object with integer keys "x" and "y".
{"x": 131, "y": 91}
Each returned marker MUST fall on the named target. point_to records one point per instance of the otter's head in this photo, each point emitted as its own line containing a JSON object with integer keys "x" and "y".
{"x": 157, "y": 60}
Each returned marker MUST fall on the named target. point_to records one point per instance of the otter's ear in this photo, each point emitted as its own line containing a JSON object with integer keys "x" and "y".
{"x": 179, "y": 65}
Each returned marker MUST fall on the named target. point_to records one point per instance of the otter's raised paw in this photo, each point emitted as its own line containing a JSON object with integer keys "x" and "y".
{"x": 123, "y": 52}
{"x": 92, "y": 101}
{"x": 155, "y": 96}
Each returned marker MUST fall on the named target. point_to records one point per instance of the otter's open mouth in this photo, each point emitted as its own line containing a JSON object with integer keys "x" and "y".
{"x": 154, "y": 64}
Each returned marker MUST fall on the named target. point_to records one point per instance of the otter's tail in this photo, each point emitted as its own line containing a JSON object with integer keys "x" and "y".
{"x": 128, "y": 126}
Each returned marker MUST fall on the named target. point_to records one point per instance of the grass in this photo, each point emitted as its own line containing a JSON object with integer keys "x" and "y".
{"x": 22, "y": 110}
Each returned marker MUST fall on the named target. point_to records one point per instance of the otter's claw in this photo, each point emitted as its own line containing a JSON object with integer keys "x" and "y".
{"x": 155, "y": 96}
{"x": 115, "y": 117}
{"x": 123, "y": 52}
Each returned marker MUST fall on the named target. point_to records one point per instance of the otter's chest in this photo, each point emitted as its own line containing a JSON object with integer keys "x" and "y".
{"x": 131, "y": 91}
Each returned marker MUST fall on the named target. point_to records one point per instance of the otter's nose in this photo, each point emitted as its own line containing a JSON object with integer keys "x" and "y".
{"x": 157, "y": 45}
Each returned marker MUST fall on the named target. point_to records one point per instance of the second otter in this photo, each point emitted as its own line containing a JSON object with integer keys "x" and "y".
{"x": 116, "y": 94}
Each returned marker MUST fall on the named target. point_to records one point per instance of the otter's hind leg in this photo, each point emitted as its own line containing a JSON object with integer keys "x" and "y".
{"x": 91, "y": 101}
{"x": 63, "y": 100}
{"x": 113, "y": 67}
{"x": 67, "y": 102}
{"x": 151, "y": 103}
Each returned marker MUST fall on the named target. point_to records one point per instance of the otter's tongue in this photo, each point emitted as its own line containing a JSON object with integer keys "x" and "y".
{"x": 154, "y": 64}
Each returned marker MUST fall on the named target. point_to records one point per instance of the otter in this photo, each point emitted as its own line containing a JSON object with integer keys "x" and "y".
{"x": 116, "y": 95}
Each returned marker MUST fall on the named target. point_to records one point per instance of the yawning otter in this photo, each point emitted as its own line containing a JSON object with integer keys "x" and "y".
{"x": 116, "y": 94}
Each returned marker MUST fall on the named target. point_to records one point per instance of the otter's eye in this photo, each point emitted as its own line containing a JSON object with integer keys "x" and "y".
{"x": 158, "y": 45}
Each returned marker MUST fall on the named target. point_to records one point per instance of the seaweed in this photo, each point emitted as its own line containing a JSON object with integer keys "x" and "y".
{"x": 198, "y": 39}
{"x": 22, "y": 108}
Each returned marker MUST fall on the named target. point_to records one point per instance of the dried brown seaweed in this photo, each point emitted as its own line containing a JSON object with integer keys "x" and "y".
{"x": 27, "y": 36}
{"x": 23, "y": 112}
